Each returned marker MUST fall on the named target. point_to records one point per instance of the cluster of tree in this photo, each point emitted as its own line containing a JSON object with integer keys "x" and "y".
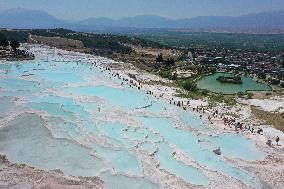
{"x": 141, "y": 42}
{"x": 102, "y": 43}
{"x": 20, "y": 36}
{"x": 203, "y": 69}
{"x": 275, "y": 81}
{"x": 13, "y": 43}
{"x": 3, "y": 41}
{"x": 160, "y": 58}
{"x": 123, "y": 39}
{"x": 169, "y": 62}
{"x": 190, "y": 85}
{"x": 262, "y": 75}
{"x": 97, "y": 42}
{"x": 168, "y": 74}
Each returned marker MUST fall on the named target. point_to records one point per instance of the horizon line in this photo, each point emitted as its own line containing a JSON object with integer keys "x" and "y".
{"x": 116, "y": 19}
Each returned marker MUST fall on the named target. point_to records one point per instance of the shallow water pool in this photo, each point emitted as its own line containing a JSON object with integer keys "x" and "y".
{"x": 86, "y": 124}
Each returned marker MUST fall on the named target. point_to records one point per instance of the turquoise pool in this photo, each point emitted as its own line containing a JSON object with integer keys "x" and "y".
{"x": 85, "y": 127}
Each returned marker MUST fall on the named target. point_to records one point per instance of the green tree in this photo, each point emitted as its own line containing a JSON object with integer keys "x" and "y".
{"x": 275, "y": 82}
{"x": 174, "y": 76}
{"x": 262, "y": 75}
{"x": 190, "y": 86}
{"x": 240, "y": 94}
{"x": 170, "y": 62}
{"x": 249, "y": 95}
{"x": 3, "y": 41}
{"x": 165, "y": 73}
{"x": 160, "y": 58}
{"x": 14, "y": 44}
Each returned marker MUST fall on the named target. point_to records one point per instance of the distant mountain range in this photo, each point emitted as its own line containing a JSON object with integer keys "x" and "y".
{"x": 25, "y": 19}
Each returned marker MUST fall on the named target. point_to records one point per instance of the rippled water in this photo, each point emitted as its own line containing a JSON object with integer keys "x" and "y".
{"x": 87, "y": 124}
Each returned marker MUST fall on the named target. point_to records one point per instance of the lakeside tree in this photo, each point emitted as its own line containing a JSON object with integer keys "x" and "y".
{"x": 14, "y": 44}
{"x": 190, "y": 86}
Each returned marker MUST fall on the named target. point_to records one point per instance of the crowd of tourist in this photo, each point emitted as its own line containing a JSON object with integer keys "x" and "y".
{"x": 185, "y": 105}
{"x": 231, "y": 122}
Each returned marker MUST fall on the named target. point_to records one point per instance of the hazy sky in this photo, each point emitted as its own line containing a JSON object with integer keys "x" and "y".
{"x": 80, "y": 9}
